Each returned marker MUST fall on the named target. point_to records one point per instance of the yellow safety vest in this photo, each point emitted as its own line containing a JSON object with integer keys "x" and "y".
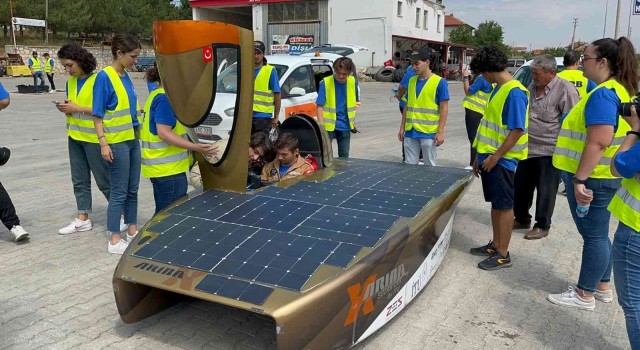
{"x": 48, "y": 67}
{"x": 118, "y": 123}
{"x": 158, "y": 157}
{"x": 625, "y": 205}
{"x": 492, "y": 133}
{"x": 573, "y": 136}
{"x": 36, "y": 65}
{"x": 80, "y": 126}
{"x": 262, "y": 95}
{"x": 577, "y": 78}
{"x": 329, "y": 111}
{"x": 423, "y": 113}
{"x": 477, "y": 102}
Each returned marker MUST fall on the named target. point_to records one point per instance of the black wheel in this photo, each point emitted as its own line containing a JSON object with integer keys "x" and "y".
{"x": 398, "y": 74}
{"x": 3, "y": 69}
{"x": 385, "y": 74}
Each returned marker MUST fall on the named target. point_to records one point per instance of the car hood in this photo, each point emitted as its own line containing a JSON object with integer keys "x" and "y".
{"x": 222, "y": 102}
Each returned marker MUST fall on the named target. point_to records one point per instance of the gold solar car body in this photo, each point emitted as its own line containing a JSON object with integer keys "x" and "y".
{"x": 330, "y": 256}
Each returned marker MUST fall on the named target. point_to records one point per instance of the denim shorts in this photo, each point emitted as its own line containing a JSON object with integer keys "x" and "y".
{"x": 497, "y": 186}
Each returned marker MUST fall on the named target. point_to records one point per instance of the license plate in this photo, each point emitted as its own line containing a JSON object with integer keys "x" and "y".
{"x": 203, "y": 130}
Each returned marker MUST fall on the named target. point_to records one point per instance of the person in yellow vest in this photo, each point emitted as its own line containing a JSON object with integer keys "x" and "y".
{"x": 49, "y": 70}
{"x": 337, "y": 102}
{"x": 424, "y": 118}
{"x": 37, "y": 69}
{"x": 84, "y": 149}
{"x": 590, "y": 136}
{"x": 165, "y": 147}
{"x": 266, "y": 92}
{"x": 625, "y": 206}
{"x": 477, "y": 91}
{"x": 501, "y": 142}
{"x": 574, "y": 75}
{"x": 115, "y": 109}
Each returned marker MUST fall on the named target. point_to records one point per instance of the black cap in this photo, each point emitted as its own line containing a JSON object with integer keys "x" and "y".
{"x": 34, "y": 53}
{"x": 259, "y": 46}
{"x": 420, "y": 55}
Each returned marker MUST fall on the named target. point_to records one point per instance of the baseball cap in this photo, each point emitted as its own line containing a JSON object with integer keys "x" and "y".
{"x": 34, "y": 53}
{"x": 420, "y": 55}
{"x": 259, "y": 46}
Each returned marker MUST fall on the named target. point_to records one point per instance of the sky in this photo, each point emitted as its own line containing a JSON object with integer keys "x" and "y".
{"x": 548, "y": 23}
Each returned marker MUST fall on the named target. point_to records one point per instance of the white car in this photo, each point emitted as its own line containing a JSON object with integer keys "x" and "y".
{"x": 333, "y": 51}
{"x": 299, "y": 80}
{"x": 523, "y": 74}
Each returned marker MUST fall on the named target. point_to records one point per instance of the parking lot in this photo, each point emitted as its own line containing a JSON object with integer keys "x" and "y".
{"x": 55, "y": 291}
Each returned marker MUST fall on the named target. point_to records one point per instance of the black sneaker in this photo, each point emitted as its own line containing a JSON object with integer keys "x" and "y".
{"x": 485, "y": 250}
{"x": 495, "y": 261}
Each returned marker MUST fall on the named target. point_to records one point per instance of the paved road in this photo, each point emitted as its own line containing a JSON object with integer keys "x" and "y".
{"x": 55, "y": 291}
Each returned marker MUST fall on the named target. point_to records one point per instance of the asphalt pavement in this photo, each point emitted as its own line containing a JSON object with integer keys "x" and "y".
{"x": 56, "y": 293}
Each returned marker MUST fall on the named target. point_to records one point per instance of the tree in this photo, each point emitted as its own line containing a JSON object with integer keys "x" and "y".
{"x": 462, "y": 35}
{"x": 555, "y": 51}
{"x": 489, "y": 33}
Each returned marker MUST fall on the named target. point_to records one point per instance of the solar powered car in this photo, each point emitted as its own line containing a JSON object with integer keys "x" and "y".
{"x": 330, "y": 257}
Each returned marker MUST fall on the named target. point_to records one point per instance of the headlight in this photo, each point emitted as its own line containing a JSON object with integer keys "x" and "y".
{"x": 229, "y": 112}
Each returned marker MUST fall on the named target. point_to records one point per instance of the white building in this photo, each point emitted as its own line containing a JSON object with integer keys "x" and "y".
{"x": 389, "y": 28}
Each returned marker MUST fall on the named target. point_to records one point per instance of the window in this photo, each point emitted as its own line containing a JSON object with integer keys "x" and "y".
{"x": 417, "y": 18}
{"x": 439, "y": 23}
{"x": 293, "y": 11}
{"x": 301, "y": 77}
{"x": 424, "y": 19}
{"x": 399, "y": 8}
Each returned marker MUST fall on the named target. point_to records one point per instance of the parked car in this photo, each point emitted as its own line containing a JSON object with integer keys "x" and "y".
{"x": 336, "y": 49}
{"x": 514, "y": 63}
{"x": 299, "y": 80}
{"x": 523, "y": 74}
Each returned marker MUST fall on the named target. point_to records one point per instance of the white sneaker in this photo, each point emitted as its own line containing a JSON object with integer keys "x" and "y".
{"x": 571, "y": 298}
{"x": 123, "y": 226}
{"x": 468, "y": 167}
{"x": 118, "y": 248}
{"x": 19, "y": 233}
{"x": 52, "y": 91}
{"x": 605, "y": 296}
{"x": 129, "y": 237}
{"x": 76, "y": 225}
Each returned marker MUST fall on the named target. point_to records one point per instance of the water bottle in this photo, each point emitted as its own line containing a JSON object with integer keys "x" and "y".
{"x": 583, "y": 210}
{"x": 394, "y": 89}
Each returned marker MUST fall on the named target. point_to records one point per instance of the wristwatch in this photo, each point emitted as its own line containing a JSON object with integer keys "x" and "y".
{"x": 577, "y": 181}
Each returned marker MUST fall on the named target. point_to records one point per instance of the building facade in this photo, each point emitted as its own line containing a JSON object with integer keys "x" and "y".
{"x": 388, "y": 28}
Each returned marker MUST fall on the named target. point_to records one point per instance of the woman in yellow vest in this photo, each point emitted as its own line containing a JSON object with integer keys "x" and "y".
{"x": 477, "y": 91}
{"x": 165, "y": 147}
{"x": 625, "y": 206}
{"x": 590, "y": 136}
{"x": 115, "y": 117}
{"x": 84, "y": 148}
{"x": 50, "y": 70}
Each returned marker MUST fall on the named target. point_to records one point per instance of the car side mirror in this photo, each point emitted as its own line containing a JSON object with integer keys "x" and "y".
{"x": 297, "y": 91}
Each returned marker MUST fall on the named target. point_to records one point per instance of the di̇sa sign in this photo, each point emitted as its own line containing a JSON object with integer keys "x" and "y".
{"x": 291, "y": 44}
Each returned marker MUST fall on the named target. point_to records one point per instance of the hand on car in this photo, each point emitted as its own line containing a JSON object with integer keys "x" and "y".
{"x": 207, "y": 149}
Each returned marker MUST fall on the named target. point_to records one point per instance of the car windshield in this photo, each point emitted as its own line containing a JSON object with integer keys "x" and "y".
{"x": 227, "y": 79}
{"x": 338, "y": 50}
{"x": 524, "y": 74}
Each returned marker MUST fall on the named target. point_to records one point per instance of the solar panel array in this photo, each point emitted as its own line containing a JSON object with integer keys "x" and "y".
{"x": 278, "y": 237}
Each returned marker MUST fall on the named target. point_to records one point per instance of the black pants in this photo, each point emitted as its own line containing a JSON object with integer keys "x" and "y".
{"x": 472, "y": 121}
{"x": 260, "y": 125}
{"x": 50, "y": 77}
{"x": 7, "y": 210}
{"x": 536, "y": 174}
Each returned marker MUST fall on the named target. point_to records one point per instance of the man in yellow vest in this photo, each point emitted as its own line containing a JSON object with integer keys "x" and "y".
{"x": 266, "y": 92}
{"x": 574, "y": 75}
{"x": 550, "y": 98}
{"x": 37, "y": 69}
{"x": 625, "y": 206}
{"x": 425, "y": 115}
{"x": 337, "y": 103}
{"x": 49, "y": 70}
{"x": 477, "y": 91}
{"x": 501, "y": 142}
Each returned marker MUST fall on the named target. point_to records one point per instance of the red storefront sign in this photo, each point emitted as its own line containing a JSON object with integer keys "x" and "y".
{"x": 219, "y": 3}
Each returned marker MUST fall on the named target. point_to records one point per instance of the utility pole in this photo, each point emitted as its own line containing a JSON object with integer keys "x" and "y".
{"x": 629, "y": 23}
{"x": 617, "y": 31}
{"x": 604, "y": 27}
{"x": 573, "y": 37}
{"x": 46, "y": 21}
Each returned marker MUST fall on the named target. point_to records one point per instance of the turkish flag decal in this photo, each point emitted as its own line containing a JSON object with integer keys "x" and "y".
{"x": 207, "y": 54}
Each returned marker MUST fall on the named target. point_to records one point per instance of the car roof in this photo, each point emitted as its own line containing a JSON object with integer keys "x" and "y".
{"x": 559, "y": 62}
{"x": 287, "y": 60}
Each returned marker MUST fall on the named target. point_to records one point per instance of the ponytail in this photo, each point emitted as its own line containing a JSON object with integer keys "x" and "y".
{"x": 622, "y": 61}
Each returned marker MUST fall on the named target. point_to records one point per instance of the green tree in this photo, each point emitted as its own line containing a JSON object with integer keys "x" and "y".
{"x": 462, "y": 35}
{"x": 554, "y": 51}
{"x": 489, "y": 33}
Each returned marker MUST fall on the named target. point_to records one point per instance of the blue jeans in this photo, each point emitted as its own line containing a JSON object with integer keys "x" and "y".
{"x": 125, "y": 180}
{"x": 344, "y": 139}
{"x": 37, "y": 75}
{"x": 594, "y": 229}
{"x": 84, "y": 159}
{"x": 626, "y": 267}
{"x": 168, "y": 189}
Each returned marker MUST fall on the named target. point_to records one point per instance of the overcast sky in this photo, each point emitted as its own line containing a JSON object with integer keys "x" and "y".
{"x": 542, "y": 23}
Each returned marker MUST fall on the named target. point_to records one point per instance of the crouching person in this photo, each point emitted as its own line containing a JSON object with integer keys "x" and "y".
{"x": 288, "y": 163}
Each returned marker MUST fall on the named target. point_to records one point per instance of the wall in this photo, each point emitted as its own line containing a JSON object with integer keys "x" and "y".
{"x": 405, "y": 24}
{"x": 102, "y": 54}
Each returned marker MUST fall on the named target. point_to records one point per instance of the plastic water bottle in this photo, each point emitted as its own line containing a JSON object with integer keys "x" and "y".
{"x": 583, "y": 210}
{"x": 394, "y": 89}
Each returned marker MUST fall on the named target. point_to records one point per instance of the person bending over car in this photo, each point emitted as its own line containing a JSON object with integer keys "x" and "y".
{"x": 288, "y": 163}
